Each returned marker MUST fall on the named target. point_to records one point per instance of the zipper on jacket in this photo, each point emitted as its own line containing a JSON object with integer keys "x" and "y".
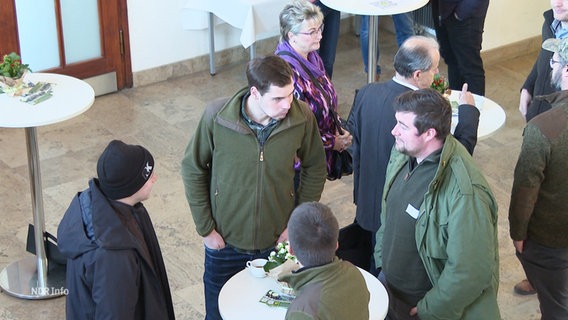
{"x": 261, "y": 153}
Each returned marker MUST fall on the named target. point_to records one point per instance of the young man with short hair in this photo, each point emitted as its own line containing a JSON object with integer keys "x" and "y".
{"x": 238, "y": 171}
{"x": 115, "y": 268}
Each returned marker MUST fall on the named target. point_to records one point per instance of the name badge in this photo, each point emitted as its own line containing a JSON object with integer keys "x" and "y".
{"x": 413, "y": 212}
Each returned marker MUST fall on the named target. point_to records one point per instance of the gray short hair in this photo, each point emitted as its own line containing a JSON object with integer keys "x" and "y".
{"x": 415, "y": 54}
{"x": 313, "y": 231}
{"x": 294, "y": 14}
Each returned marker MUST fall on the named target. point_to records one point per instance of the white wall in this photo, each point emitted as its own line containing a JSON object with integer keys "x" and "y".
{"x": 158, "y": 38}
{"x": 509, "y": 21}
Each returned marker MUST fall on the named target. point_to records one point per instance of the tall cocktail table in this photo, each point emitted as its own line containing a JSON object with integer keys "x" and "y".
{"x": 29, "y": 278}
{"x": 374, "y": 8}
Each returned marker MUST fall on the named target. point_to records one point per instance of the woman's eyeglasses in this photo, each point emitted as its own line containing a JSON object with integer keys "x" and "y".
{"x": 314, "y": 33}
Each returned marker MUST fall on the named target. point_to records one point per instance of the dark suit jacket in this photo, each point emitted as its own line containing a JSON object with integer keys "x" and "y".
{"x": 370, "y": 122}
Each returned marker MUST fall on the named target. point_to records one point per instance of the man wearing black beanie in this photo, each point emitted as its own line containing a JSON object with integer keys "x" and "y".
{"x": 115, "y": 268}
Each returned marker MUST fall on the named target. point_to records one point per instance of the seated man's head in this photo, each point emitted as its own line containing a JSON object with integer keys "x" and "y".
{"x": 271, "y": 86}
{"x": 417, "y": 61}
{"x": 423, "y": 122}
{"x": 313, "y": 231}
{"x": 126, "y": 172}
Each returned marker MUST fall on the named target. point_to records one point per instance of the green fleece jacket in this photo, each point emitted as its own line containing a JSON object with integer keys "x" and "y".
{"x": 540, "y": 189}
{"x": 245, "y": 190}
{"x": 336, "y": 290}
{"x": 456, "y": 237}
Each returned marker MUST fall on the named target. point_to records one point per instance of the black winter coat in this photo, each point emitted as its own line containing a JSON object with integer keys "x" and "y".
{"x": 538, "y": 81}
{"x": 115, "y": 268}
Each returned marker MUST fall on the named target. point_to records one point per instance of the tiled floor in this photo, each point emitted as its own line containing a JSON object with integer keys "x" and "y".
{"x": 162, "y": 117}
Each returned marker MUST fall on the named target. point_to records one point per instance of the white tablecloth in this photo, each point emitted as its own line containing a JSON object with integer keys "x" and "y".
{"x": 375, "y": 7}
{"x": 256, "y": 18}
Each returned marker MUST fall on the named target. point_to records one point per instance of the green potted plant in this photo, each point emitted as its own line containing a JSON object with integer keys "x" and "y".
{"x": 12, "y": 71}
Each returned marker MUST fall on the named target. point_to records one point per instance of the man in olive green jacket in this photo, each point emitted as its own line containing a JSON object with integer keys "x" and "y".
{"x": 538, "y": 216}
{"x": 438, "y": 241}
{"x": 325, "y": 286}
{"x": 238, "y": 171}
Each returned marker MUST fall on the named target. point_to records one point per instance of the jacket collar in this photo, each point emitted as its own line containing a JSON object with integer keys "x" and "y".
{"x": 230, "y": 116}
{"x": 555, "y": 98}
{"x": 301, "y": 277}
{"x": 114, "y": 224}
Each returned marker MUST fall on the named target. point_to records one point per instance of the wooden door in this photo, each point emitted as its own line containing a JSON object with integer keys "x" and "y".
{"x": 114, "y": 54}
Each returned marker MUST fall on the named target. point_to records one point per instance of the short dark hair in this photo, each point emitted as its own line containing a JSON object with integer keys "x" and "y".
{"x": 415, "y": 54}
{"x": 432, "y": 110}
{"x": 262, "y": 72}
{"x": 313, "y": 231}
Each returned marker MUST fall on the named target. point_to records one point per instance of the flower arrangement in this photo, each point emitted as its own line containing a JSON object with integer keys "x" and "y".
{"x": 12, "y": 66}
{"x": 440, "y": 84}
{"x": 279, "y": 256}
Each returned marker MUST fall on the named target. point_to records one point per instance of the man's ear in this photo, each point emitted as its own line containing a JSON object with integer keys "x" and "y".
{"x": 254, "y": 93}
{"x": 430, "y": 134}
{"x": 416, "y": 75}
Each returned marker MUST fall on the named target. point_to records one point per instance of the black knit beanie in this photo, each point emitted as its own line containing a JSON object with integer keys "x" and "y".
{"x": 123, "y": 169}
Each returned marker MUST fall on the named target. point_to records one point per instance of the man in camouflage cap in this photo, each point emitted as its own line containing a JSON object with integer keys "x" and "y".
{"x": 538, "y": 216}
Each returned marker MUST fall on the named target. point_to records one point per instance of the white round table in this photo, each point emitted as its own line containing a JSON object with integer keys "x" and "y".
{"x": 29, "y": 278}
{"x": 374, "y": 8}
{"x": 239, "y": 298}
{"x": 491, "y": 116}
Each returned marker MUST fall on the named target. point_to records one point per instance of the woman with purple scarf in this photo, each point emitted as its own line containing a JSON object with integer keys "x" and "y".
{"x": 301, "y": 26}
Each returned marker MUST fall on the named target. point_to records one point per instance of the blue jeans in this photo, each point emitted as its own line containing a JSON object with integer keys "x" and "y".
{"x": 328, "y": 43}
{"x": 220, "y": 266}
{"x": 403, "y": 26}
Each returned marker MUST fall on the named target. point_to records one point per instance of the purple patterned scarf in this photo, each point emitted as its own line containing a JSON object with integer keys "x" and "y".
{"x": 314, "y": 62}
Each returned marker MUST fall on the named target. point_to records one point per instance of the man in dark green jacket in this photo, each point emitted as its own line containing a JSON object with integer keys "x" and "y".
{"x": 437, "y": 244}
{"x": 238, "y": 171}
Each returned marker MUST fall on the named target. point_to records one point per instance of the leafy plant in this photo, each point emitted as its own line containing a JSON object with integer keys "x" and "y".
{"x": 440, "y": 84}
{"x": 279, "y": 256}
{"x": 12, "y": 66}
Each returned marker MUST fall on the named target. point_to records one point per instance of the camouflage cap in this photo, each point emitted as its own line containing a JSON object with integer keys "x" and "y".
{"x": 557, "y": 45}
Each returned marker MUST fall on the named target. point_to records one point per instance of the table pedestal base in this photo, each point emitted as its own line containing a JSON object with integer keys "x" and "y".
{"x": 19, "y": 279}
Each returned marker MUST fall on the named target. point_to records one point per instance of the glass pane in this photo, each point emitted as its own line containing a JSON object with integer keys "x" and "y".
{"x": 80, "y": 30}
{"x": 38, "y": 34}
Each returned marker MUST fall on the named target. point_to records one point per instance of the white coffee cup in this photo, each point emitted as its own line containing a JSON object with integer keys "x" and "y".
{"x": 256, "y": 267}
